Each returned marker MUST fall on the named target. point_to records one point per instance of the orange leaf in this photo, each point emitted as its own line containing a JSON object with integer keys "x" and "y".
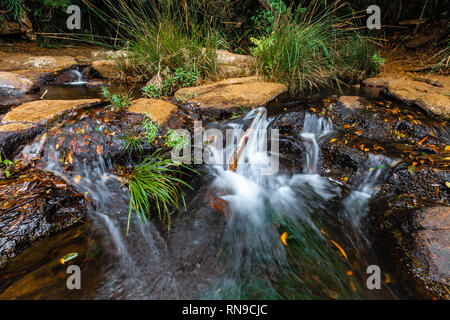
{"x": 340, "y": 249}
{"x": 283, "y": 238}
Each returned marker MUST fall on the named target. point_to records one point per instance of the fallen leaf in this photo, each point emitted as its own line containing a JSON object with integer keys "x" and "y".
{"x": 68, "y": 257}
{"x": 332, "y": 140}
{"x": 283, "y": 238}
{"x": 340, "y": 249}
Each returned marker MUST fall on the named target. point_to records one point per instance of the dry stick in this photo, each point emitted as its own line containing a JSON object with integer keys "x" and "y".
{"x": 243, "y": 142}
{"x": 421, "y": 16}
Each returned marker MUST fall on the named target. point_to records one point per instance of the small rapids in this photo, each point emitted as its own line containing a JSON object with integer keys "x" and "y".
{"x": 279, "y": 235}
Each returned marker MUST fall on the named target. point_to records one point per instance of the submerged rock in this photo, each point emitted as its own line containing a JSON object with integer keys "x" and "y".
{"x": 247, "y": 92}
{"x": 35, "y": 204}
{"x": 12, "y": 84}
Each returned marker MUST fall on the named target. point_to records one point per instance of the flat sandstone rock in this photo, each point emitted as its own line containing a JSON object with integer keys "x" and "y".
{"x": 235, "y": 92}
{"x": 42, "y": 110}
{"x": 160, "y": 111}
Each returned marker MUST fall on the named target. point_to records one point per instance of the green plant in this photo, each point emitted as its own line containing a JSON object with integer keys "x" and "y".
{"x": 313, "y": 49}
{"x": 151, "y": 128}
{"x": 6, "y": 167}
{"x": 442, "y": 58}
{"x": 151, "y": 91}
{"x": 131, "y": 143}
{"x": 174, "y": 140}
{"x": 117, "y": 102}
{"x": 162, "y": 40}
{"x": 266, "y": 19}
{"x": 156, "y": 181}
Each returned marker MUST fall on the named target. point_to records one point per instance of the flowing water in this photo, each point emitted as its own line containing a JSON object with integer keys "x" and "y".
{"x": 238, "y": 254}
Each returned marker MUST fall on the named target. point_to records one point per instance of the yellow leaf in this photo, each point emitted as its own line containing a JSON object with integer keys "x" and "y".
{"x": 332, "y": 140}
{"x": 340, "y": 249}
{"x": 283, "y": 238}
{"x": 77, "y": 179}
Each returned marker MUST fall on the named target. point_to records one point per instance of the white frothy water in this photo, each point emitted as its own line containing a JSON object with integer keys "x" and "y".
{"x": 78, "y": 79}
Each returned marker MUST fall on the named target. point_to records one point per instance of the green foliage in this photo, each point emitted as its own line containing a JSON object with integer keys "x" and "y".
{"x": 443, "y": 59}
{"x": 117, "y": 102}
{"x": 11, "y": 10}
{"x": 161, "y": 40}
{"x": 6, "y": 167}
{"x": 265, "y": 20}
{"x": 155, "y": 181}
{"x": 314, "y": 49}
{"x": 151, "y": 129}
{"x": 151, "y": 91}
{"x": 170, "y": 82}
{"x": 174, "y": 140}
{"x": 131, "y": 143}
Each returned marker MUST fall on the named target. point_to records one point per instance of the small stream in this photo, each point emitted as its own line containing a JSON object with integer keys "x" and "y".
{"x": 233, "y": 254}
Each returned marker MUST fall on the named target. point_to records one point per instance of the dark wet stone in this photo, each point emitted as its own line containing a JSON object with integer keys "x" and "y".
{"x": 12, "y": 141}
{"x": 35, "y": 204}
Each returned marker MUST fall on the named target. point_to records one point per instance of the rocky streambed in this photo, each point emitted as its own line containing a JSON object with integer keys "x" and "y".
{"x": 398, "y": 136}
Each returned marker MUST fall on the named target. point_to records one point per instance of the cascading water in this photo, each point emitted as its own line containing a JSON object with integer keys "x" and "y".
{"x": 78, "y": 78}
{"x": 262, "y": 207}
{"x": 242, "y": 255}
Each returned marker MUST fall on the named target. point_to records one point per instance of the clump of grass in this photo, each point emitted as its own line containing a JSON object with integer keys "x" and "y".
{"x": 443, "y": 59}
{"x": 155, "y": 181}
{"x": 163, "y": 42}
{"x": 310, "y": 49}
{"x": 131, "y": 143}
{"x": 117, "y": 102}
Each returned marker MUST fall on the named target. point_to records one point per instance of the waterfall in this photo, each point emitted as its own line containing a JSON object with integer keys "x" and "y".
{"x": 78, "y": 78}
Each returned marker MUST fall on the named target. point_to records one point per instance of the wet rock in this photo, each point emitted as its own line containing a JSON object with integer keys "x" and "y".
{"x": 248, "y": 92}
{"x": 160, "y": 111}
{"x": 22, "y": 124}
{"x": 12, "y": 84}
{"x": 352, "y": 103}
{"x": 430, "y": 93}
{"x": 432, "y": 99}
{"x": 35, "y": 205}
{"x": 15, "y": 135}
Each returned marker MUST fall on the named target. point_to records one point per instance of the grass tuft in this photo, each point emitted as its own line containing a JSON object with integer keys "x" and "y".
{"x": 155, "y": 181}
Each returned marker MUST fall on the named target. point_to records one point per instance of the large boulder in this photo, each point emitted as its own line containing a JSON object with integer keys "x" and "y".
{"x": 249, "y": 92}
{"x": 12, "y": 84}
